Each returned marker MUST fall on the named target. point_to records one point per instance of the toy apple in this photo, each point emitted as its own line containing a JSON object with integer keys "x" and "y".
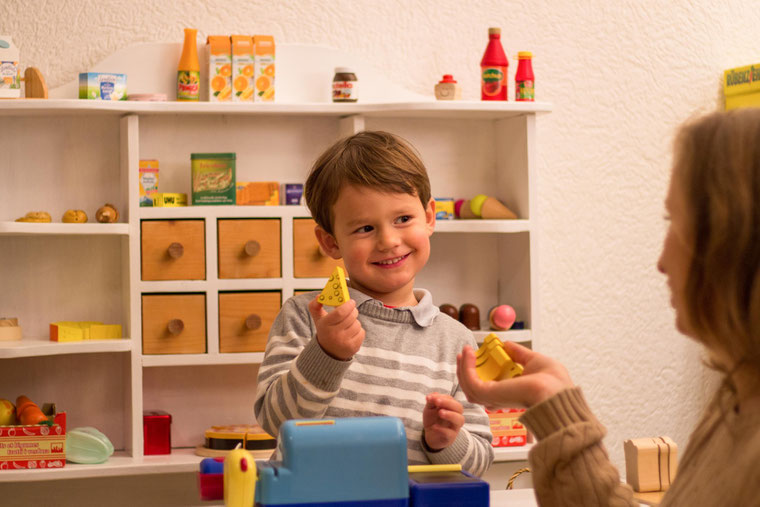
{"x": 7, "y": 413}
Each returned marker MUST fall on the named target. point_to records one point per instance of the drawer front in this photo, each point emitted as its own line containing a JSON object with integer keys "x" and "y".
{"x": 308, "y": 259}
{"x": 245, "y": 319}
{"x": 174, "y": 323}
{"x": 249, "y": 248}
{"x": 173, "y": 250}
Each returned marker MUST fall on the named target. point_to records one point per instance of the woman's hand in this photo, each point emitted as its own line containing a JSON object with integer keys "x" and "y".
{"x": 542, "y": 378}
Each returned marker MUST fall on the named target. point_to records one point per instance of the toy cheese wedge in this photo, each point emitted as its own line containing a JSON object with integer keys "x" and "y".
{"x": 335, "y": 292}
{"x": 493, "y": 363}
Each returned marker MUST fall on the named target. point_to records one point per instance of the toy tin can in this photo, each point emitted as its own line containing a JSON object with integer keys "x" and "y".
{"x": 157, "y": 436}
{"x": 213, "y": 178}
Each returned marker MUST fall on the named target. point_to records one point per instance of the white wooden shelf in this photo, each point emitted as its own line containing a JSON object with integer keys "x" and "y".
{"x": 504, "y": 454}
{"x": 202, "y": 359}
{"x": 421, "y": 109}
{"x": 54, "y": 228}
{"x": 30, "y": 347}
{"x": 513, "y": 335}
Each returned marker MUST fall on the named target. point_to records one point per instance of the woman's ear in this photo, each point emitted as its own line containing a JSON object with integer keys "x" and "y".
{"x": 327, "y": 242}
{"x": 430, "y": 216}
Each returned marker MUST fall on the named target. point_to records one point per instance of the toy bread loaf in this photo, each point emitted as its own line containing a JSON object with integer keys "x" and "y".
{"x": 35, "y": 216}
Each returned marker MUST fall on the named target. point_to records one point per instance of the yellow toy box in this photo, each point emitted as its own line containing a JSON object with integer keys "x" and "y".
{"x": 148, "y": 181}
{"x": 68, "y": 331}
{"x": 741, "y": 86}
{"x": 258, "y": 193}
{"x": 169, "y": 200}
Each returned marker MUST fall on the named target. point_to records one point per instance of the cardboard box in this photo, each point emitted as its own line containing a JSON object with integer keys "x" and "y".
{"x": 69, "y": 331}
{"x": 169, "y": 200}
{"x": 219, "y": 54}
{"x": 291, "y": 194}
{"x": 444, "y": 208}
{"x": 741, "y": 86}
{"x": 148, "y": 181}
{"x": 258, "y": 193}
{"x": 35, "y": 446}
{"x": 506, "y": 428}
{"x": 242, "y": 68}
{"x": 102, "y": 86}
{"x": 263, "y": 74}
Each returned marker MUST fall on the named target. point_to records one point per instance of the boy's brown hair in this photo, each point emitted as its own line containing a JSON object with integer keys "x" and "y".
{"x": 375, "y": 159}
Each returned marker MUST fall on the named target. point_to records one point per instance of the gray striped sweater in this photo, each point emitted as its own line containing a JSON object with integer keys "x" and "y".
{"x": 407, "y": 353}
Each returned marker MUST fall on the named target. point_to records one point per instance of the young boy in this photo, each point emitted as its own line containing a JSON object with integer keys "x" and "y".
{"x": 388, "y": 350}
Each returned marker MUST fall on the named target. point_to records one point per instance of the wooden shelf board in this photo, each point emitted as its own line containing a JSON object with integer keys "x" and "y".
{"x": 504, "y": 454}
{"x": 202, "y": 359}
{"x": 513, "y": 335}
{"x": 55, "y": 228}
{"x": 37, "y": 346}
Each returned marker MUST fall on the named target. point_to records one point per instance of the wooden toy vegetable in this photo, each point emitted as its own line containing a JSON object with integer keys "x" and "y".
{"x": 27, "y": 412}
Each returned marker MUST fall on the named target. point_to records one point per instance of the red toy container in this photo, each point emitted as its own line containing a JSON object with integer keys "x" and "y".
{"x": 524, "y": 79}
{"x": 157, "y": 436}
{"x": 493, "y": 68}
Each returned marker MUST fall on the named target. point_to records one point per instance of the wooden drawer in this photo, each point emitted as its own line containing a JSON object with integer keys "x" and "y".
{"x": 173, "y": 250}
{"x": 245, "y": 319}
{"x": 308, "y": 259}
{"x": 249, "y": 248}
{"x": 174, "y": 323}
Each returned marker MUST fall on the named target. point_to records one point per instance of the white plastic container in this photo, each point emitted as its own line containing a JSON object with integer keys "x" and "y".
{"x": 10, "y": 80}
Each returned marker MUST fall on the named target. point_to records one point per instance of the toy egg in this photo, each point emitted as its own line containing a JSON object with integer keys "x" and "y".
{"x": 107, "y": 214}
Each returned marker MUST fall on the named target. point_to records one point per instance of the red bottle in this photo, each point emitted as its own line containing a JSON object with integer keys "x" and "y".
{"x": 524, "y": 79}
{"x": 493, "y": 68}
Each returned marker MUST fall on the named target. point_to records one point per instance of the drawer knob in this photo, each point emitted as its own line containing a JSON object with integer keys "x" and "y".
{"x": 175, "y": 326}
{"x": 175, "y": 250}
{"x": 252, "y": 248}
{"x": 253, "y": 322}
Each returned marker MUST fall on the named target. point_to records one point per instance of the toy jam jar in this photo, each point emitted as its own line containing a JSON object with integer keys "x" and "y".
{"x": 345, "y": 86}
{"x": 524, "y": 79}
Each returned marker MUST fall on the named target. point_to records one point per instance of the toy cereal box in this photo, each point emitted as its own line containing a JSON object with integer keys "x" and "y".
{"x": 258, "y": 193}
{"x": 263, "y": 74}
{"x": 506, "y": 428}
{"x": 148, "y": 181}
{"x": 242, "y": 68}
{"x": 219, "y": 68}
{"x": 213, "y": 178}
{"x": 741, "y": 86}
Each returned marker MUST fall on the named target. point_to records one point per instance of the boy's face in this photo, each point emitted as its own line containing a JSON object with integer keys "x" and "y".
{"x": 384, "y": 240}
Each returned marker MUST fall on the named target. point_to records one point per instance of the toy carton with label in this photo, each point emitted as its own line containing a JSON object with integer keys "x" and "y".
{"x": 219, "y": 68}
{"x": 263, "y": 75}
{"x": 506, "y": 428}
{"x": 741, "y": 86}
{"x": 35, "y": 445}
{"x": 148, "y": 181}
{"x": 10, "y": 79}
{"x": 242, "y": 68}
{"x": 102, "y": 86}
{"x": 258, "y": 193}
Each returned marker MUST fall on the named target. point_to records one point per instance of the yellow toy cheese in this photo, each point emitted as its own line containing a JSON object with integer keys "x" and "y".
{"x": 335, "y": 292}
{"x": 493, "y": 363}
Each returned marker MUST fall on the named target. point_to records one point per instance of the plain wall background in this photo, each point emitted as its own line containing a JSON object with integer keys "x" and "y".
{"x": 621, "y": 76}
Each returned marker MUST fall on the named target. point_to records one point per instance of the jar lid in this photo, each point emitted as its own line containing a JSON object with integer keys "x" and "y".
{"x": 198, "y": 156}
{"x": 524, "y": 54}
{"x": 344, "y": 70}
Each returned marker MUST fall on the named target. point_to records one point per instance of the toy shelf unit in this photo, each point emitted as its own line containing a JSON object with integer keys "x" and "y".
{"x": 65, "y": 153}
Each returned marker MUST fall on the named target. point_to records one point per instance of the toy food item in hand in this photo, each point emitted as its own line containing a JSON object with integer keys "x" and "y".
{"x": 74, "y": 216}
{"x": 27, "y": 412}
{"x": 335, "y": 292}
{"x": 501, "y": 317}
{"x": 35, "y": 216}
{"x": 107, "y": 214}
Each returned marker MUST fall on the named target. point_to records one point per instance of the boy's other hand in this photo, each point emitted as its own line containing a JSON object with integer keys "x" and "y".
{"x": 442, "y": 418}
{"x": 542, "y": 378}
{"x": 339, "y": 333}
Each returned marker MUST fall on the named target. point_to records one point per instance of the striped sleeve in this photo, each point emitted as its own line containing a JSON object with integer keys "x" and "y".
{"x": 296, "y": 380}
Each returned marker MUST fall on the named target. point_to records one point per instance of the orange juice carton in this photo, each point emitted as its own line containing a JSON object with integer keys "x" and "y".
{"x": 258, "y": 193}
{"x": 219, "y": 53}
{"x": 10, "y": 80}
{"x": 263, "y": 73}
{"x": 34, "y": 446}
{"x": 506, "y": 428}
{"x": 102, "y": 86}
{"x": 242, "y": 68}
{"x": 148, "y": 181}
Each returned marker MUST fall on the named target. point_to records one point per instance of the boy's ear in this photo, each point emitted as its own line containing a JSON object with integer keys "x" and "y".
{"x": 430, "y": 216}
{"x": 327, "y": 242}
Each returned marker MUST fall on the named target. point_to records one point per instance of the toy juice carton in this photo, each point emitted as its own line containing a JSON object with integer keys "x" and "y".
{"x": 741, "y": 86}
{"x": 263, "y": 74}
{"x": 258, "y": 193}
{"x": 506, "y": 428}
{"x": 34, "y": 446}
{"x": 242, "y": 68}
{"x": 10, "y": 80}
{"x": 213, "y": 178}
{"x": 102, "y": 86}
{"x": 148, "y": 181}
{"x": 219, "y": 53}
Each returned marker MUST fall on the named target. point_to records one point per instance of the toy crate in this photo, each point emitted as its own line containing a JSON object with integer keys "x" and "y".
{"x": 34, "y": 446}
{"x": 741, "y": 86}
{"x": 506, "y": 428}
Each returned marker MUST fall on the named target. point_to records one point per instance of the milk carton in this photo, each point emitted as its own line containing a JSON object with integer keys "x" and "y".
{"x": 263, "y": 67}
{"x": 219, "y": 68}
{"x": 10, "y": 80}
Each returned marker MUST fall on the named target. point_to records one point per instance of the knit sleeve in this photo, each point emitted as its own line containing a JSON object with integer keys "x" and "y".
{"x": 569, "y": 463}
{"x": 297, "y": 379}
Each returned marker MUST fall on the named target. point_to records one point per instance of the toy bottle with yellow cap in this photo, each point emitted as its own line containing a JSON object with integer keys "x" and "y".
{"x": 188, "y": 70}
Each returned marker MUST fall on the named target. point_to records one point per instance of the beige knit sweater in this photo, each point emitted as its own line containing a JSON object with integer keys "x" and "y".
{"x": 720, "y": 466}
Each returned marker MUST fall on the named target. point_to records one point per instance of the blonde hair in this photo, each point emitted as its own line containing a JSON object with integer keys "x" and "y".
{"x": 717, "y": 165}
{"x": 374, "y": 159}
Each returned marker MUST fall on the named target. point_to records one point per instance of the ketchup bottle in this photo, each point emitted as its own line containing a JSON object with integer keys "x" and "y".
{"x": 524, "y": 79}
{"x": 493, "y": 68}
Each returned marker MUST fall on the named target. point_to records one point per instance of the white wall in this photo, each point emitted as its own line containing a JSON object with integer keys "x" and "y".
{"x": 621, "y": 76}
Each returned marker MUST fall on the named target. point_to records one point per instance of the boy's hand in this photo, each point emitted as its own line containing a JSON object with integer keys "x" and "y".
{"x": 442, "y": 418}
{"x": 542, "y": 378}
{"x": 339, "y": 333}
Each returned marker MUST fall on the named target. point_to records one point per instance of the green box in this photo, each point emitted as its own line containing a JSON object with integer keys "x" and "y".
{"x": 213, "y": 178}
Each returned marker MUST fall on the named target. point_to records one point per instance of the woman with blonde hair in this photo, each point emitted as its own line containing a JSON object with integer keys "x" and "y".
{"x": 711, "y": 257}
